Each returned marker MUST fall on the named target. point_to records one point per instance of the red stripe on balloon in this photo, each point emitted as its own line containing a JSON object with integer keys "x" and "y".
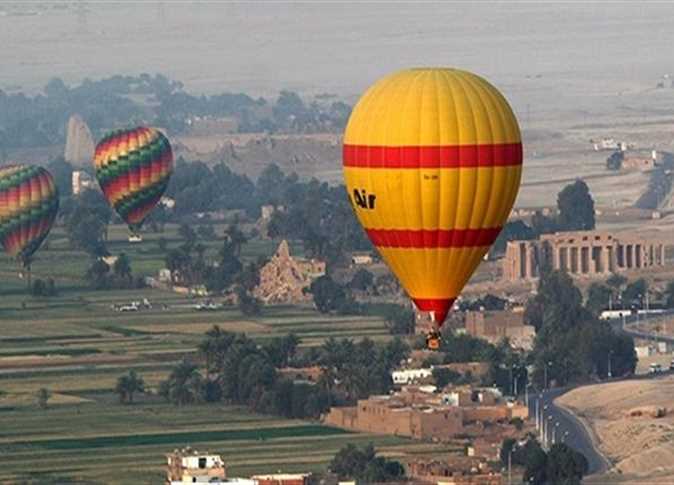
{"x": 434, "y": 238}
{"x": 446, "y": 156}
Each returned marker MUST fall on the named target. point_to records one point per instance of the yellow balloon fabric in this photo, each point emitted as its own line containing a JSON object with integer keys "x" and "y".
{"x": 432, "y": 164}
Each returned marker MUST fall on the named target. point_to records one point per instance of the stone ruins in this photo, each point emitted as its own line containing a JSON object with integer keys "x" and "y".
{"x": 582, "y": 253}
{"x": 79, "y": 142}
{"x": 283, "y": 278}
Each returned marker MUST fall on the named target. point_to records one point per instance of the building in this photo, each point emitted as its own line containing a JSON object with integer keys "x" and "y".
{"x": 409, "y": 376}
{"x": 190, "y": 466}
{"x": 455, "y": 470}
{"x": 302, "y": 374}
{"x": 494, "y": 326}
{"x": 394, "y": 416}
{"x": 282, "y": 479}
{"x": 422, "y": 375}
{"x": 361, "y": 259}
{"x": 81, "y": 181}
{"x": 284, "y": 278}
{"x": 581, "y": 253}
{"x": 425, "y": 415}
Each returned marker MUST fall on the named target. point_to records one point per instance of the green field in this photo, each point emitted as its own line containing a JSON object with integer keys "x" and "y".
{"x": 77, "y": 346}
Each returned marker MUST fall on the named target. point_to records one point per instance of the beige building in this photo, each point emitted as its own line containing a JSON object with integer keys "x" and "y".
{"x": 425, "y": 416}
{"x": 494, "y": 326}
{"x": 284, "y": 278}
{"x": 581, "y": 253}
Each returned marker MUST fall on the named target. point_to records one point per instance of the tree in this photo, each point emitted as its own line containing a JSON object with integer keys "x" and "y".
{"x": 42, "y": 397}
{"x": 576, "y": 207}
{"x": 122, "y": 267}
{"x": 128, "y": 385}
{"x": 363, "y": 464}
{"x": 635, "y": 292}
{"x": 615, "y": 160}
{"x": 565, "y": 465}
{"x": 400, "y": 320}
{"x": 512, "y": 231}
{"x": 669, "y": 295}
{"x": 361, "y": 280}
{"x": 97, "y": 274}
{"x": 598, "y": 298}
{"x": 184, "y": 385}
{"x": 248, "y": 304}
{"x": 616, "y": 281}
{"x": 236, "y": 238}
{"x": 328, "y": 295}
{"x": 557, "y": 297}
{"x": 188, "y": 234}
{"x": 444, "y": 376}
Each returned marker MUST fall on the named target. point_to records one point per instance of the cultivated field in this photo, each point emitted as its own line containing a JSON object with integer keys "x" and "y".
{"x": 77, "y": 346}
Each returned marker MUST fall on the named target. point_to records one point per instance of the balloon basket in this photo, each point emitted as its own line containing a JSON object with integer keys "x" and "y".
{"x": 433, "y": 340}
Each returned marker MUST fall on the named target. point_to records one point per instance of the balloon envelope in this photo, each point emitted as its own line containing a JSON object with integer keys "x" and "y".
{"x": 432, "y": 163}
{"x": 29, "y": 203}
{"x": 133, "y": 168}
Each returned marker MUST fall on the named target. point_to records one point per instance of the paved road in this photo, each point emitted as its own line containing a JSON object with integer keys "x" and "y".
{"x": 570, "y": 429}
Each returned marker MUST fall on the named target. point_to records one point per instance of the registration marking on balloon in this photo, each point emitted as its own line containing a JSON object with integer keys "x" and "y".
{"x": 432, "y": 163}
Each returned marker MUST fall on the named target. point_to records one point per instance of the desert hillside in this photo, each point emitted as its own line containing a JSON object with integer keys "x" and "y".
{"x": 634, "y": 423}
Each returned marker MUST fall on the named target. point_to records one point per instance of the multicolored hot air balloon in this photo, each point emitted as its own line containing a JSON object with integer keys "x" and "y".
{"x": 432, "y": 163}
{"x": 133, "y": 168}
{"x": 29, "y": 201}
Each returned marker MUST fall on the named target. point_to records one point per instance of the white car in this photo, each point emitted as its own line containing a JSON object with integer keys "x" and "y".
{"x": 129, "y": 308}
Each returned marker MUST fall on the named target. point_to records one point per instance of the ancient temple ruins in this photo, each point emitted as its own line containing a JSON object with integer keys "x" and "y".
{"x": 582, "y": 253}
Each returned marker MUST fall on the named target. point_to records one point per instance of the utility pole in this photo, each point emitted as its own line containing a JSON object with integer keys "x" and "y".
{"x": 510, "y": 466}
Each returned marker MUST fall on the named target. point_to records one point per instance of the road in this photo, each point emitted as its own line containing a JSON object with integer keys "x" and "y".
{"x": 569, "y": 429}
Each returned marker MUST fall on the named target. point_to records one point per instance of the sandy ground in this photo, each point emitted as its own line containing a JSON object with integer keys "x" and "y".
{"x": 640, "y": 447}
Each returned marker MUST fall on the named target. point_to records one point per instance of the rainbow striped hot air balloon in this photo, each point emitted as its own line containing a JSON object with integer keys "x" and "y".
{"x": 432, "y": 164}
{"x": 133, "y": 168}
{"x": 29, "y": 203}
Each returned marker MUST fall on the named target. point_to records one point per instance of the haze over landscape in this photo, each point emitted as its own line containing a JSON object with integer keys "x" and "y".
{"x": 184, "y": 269}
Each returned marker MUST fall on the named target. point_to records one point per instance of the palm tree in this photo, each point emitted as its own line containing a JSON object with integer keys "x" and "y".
{"x": 128, "y": 385}
{"x": 184, "y": 385}
{"x": 236, "y": 238}
{"x": 122, "y": 267}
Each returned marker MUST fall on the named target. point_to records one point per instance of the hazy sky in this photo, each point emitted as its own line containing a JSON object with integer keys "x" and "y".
{"x": 537, "y": 52}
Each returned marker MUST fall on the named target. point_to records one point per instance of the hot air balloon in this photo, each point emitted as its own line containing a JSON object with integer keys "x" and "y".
{"x": 432, "y": 163}
{"x": 133, "y": 168}
{"x": 29, "y": 201}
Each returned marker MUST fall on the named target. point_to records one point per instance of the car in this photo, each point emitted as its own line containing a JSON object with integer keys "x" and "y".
{"x": 128, "y": 308}
{"x": 671, "y": 365}
{"x": 655, "y": 369}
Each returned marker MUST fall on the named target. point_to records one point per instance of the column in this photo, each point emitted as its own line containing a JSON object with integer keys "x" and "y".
{"x": 528, "y": 264}
{"x": 628, "y": 255}
{"x": 605, "y": 259}
{"x": 662, "y": 254}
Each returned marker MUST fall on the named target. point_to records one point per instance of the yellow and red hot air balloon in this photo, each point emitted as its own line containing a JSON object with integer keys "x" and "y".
{"x": 432, "y": 164}
{"x": 29, "y": 202}
{"x": 133, "y": 168}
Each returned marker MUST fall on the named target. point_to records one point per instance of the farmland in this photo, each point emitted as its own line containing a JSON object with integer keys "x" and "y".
{"x": 75, "y": 345}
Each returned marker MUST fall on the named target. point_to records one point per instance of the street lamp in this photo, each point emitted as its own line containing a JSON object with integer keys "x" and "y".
{"x": 554, "y": 432}
{"x": 545, "y": 373}
{"x": 548, "y": 422}
{"x": 610, "y": 353}
{"x": 566, "y": 433}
